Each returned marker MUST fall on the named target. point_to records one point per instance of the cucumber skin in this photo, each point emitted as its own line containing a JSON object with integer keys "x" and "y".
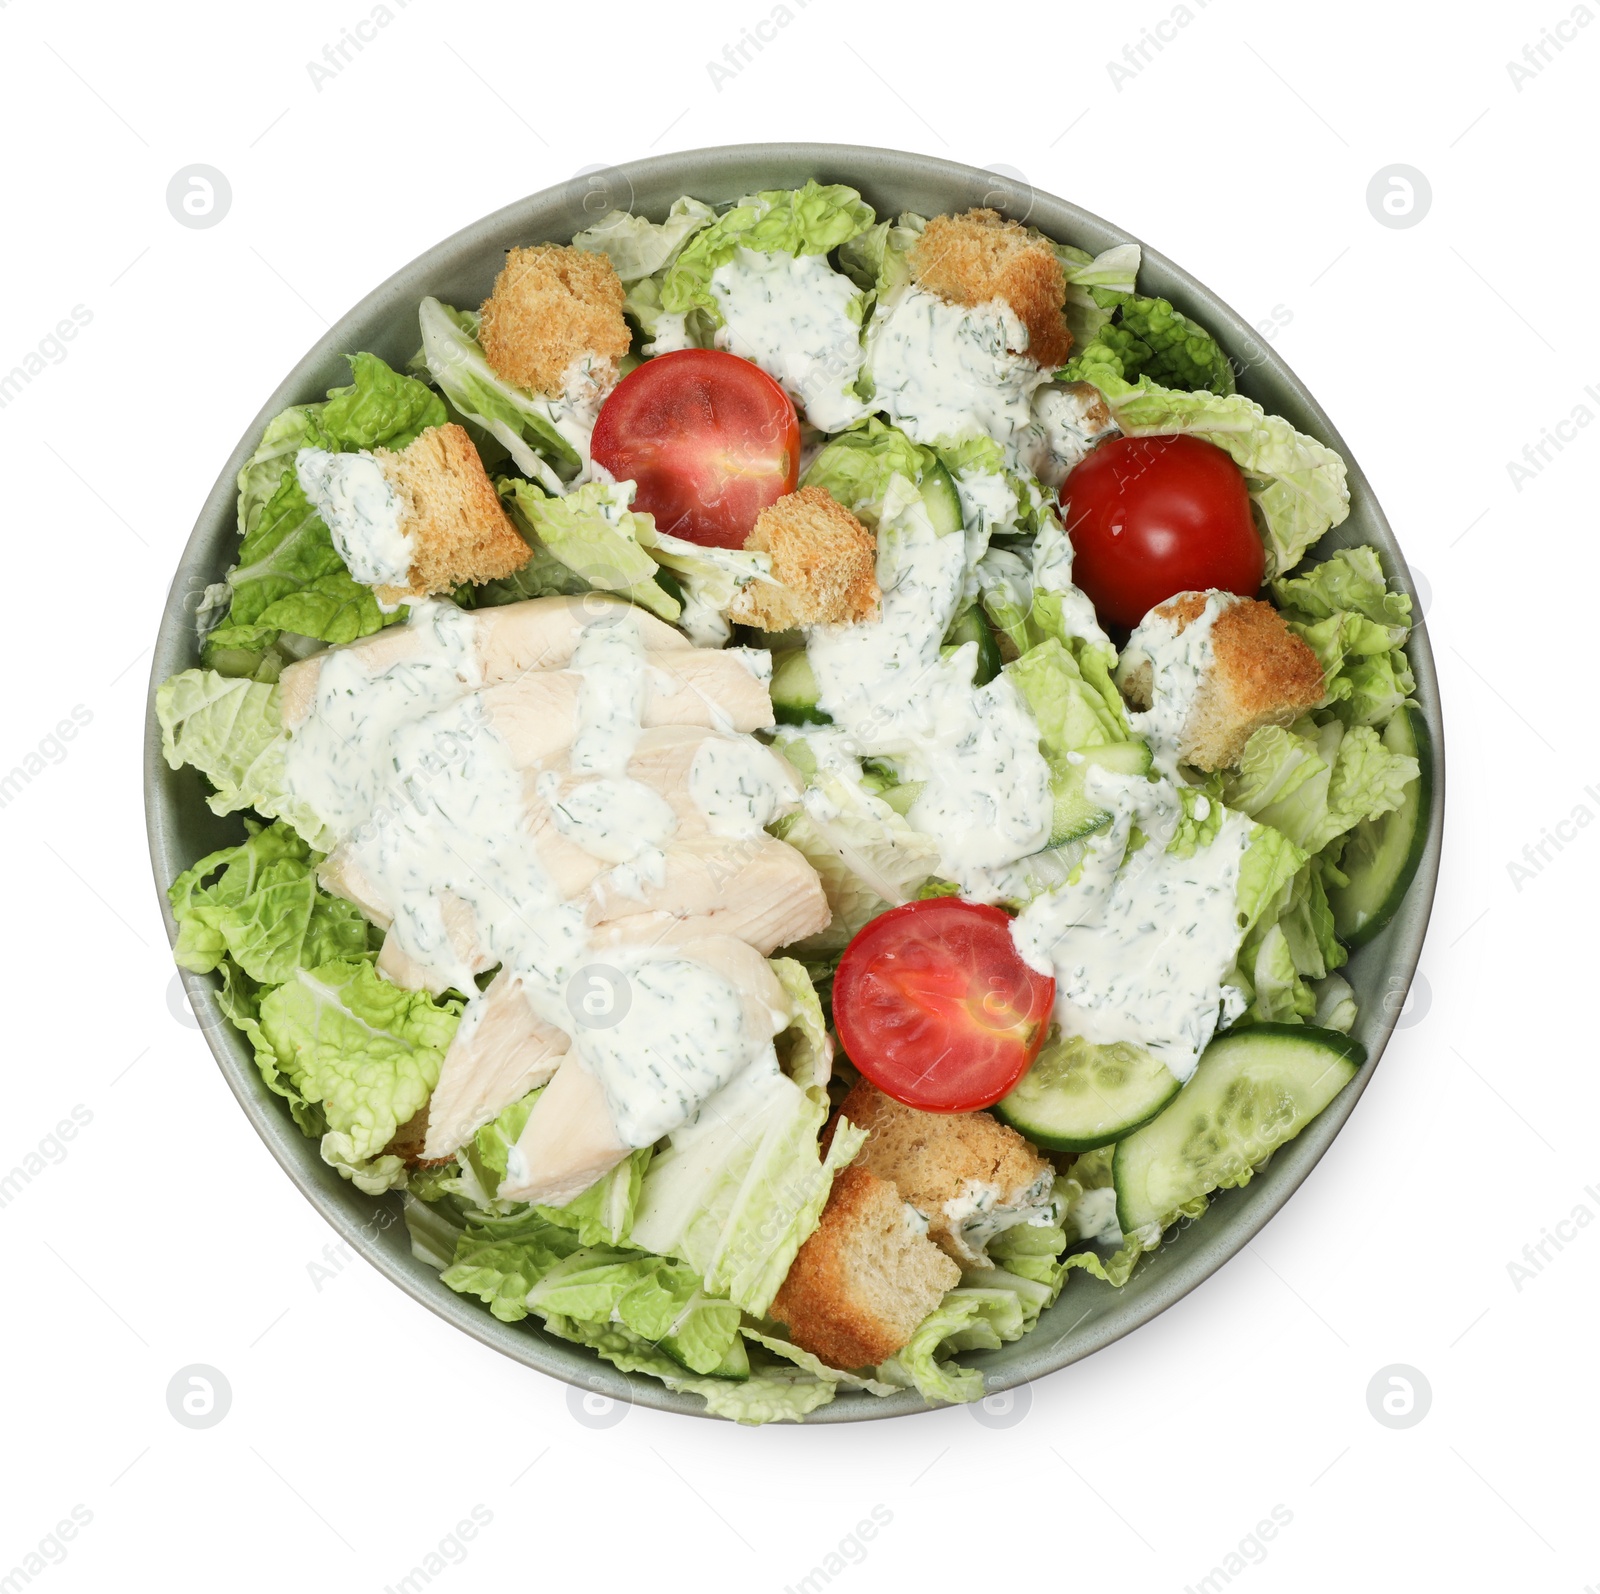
{"x": 794, "y": 691}
{"x": 940, "y": 499}
{"x": 1073, "y": 815}
{"x": 1341, "y": 1046}
{"x": 972, "y": 625}
{"x": 1408, "y": 870}
{"x": 1048, "y": 1140}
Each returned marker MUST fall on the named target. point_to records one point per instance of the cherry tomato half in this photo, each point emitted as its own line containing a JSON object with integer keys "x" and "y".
{"x": 936, "y": 1007}
{"x": 1152, "y": 516}
{"x": 711, "y": 440}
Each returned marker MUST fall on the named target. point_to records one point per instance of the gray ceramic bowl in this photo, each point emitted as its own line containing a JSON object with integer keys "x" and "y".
{"x": 460, "y": 271}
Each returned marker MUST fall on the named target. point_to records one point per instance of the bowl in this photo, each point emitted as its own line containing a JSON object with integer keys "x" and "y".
{"x": 460, "y": 271}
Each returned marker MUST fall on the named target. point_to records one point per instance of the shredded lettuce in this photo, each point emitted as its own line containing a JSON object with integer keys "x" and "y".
{"x": 594, "y": 533}
{"x": 639, "y": 248}
{"x": 769, "y": 1394}
{"x": 230, "y": 729}
{"x": 1356, "y": 626}
{"x": 515, "y": 418}
{"x": 737, "y": 1192}
{"x": 856, "y": 466}
{"x": 1151, "y": 339}
{"x": 805, "y": 1051}
{"x": 264, "y": 910}
{"x": 1313, "y": 783}
{"x": 368, "y": 1052}
{"x": 866, "y": 836}
{"x": 1071, "y": 713}
{"x": 709, "y": 579}
{"x": 797, "y": 221}
{"x": 876, "y": 258}
{"x": 966, "y": 1319}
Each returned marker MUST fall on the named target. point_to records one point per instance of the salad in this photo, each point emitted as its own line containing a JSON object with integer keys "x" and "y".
{"x": 797, "y": 787}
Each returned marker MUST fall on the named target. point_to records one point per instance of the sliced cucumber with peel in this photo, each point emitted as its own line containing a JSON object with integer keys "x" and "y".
{"x": 971, "y": 625}
{"x": 1074, "y": 813}
{"x": 795, "y": 691}
{"x": 1077, "y": 1095}
{"x": 940, "y": 499}
{"x": 1381, "y": 857}
{"x": 1253, "y": 1090}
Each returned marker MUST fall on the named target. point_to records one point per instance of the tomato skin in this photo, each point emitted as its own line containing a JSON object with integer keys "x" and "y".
{"x": 710, "y": 439}
{"x": 1149, "y": 517}
{"x": 936, "y": 1007}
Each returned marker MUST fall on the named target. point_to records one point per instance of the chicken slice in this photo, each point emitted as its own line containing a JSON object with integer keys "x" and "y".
{"x": 509, "y": 641}
{"x": 755, "y": 888}
{"x": 536, "y": 714}
{"x": 572, "y": 1138}
{"x": 501, "y": 1051}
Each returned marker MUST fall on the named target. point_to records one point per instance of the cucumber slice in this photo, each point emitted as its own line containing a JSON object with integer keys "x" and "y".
{"x": 795, "y": 691}
{"x": 881, "y": 781}
{"x": 971, "y": 626}
{"x": 735, "y": 1365}
{"x": 1381, "y": 857}
{"x": 1254, "y": 1090}
{"x": 1077, "y": 1095}
{"x": 940, "y": 499}
{"x": 1075, "y": 814}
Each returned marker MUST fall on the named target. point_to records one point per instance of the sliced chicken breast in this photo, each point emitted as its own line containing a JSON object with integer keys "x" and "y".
{"x": 501, "y": 1051}
{"x": 571, "y": 1138}
{"x": 568, "y": 1143}
{"x": 536, "y": 714}
{"x": 509, "y": 641}
{"x": 756, "y": 888}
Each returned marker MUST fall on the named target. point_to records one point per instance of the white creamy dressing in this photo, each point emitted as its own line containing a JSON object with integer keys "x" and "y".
{"x": 681, "y": 1040}
{"x": 362, "y": 512}
{"x": 1095, "y": 1215}
{"x": 800, "y": 321}
{"x": 672, "y": 334}
{"x": 585, "y": 386}
{"x": 1069, "y": 418}
{"x": 986, "y": 793}
{"x": 989, "y": 504}
{"x": 1052, "y": 572}
{"x": 1179, "y": 663}
{"x": 739, "y": 785}
{"x": 338, "y": 758}
{"x": 944, "y": 372}
{"x": 1140, "y": 943}
{"x": 979, "y": 1212}
{"x": 406, "y": 768}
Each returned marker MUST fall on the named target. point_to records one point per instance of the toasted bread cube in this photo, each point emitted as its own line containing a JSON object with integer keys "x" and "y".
{"x": 865, "y": 1279}
{"x": 415, "y": 521}
{"x": 553, "y": 307}
{"x": 978, "y": 257}
{"x": 824, "y": 565}
{"x": 1260, "y": 673}
{"x": 451, "y": 512}
{"x": 967, "y": 1173}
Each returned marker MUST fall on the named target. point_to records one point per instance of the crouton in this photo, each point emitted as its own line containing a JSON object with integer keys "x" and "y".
{"x": 865, "y": 1279}
{"x": 966, "y": 1173}
{"x": 1259, "y": 673}
{"x": 408, "y": 1140}
{"x": 452, "y": 514}
{"x": 552, "y": 306}
{"x": 824, "y": 565}
{"x": 978, "y": 257}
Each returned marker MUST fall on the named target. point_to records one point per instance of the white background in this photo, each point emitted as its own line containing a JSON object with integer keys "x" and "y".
{"x": 362, "y": 1429}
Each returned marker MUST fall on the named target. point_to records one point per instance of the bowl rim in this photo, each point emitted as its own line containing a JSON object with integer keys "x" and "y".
{"x": 371, "y": 1225}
